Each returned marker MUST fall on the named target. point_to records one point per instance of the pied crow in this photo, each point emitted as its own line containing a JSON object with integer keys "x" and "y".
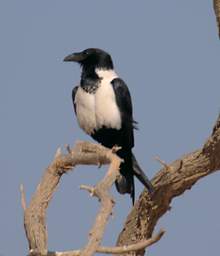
{"x": 103, "y": 108}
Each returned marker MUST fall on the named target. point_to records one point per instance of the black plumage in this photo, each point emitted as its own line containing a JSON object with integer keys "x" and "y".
{"x": 103, "y": 107}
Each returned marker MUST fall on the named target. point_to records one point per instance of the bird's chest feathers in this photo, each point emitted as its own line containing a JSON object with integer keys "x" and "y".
{"x": 99, "y": 109}
{"x": 85, "y": 110}
{"x": 107, "y": 112}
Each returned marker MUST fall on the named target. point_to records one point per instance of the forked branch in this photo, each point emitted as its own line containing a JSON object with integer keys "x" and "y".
{"x": 35, "y": 213}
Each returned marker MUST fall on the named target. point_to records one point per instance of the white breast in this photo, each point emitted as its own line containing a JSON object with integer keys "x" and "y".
{"x": 85, "y": 110}
{"x": 100, "y": 109}
{"x": 106, "y": 111}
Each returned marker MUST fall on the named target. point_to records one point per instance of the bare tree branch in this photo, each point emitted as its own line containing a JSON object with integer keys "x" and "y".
{"x": 116, "y": 250}
{"x": 216, "y": 5}
{"x": 132, "y": 247}
{"x": 170, "y": 182}
{"x": 107, "y": 203}
{"x": 23, "y": 200}
{"x": 35, "y": 213}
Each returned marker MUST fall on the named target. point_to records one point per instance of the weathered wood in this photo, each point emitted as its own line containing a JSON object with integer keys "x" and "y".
{"x": 216, "y": 4}
{"x": 169, "y": 183}
{"x": 35, "y": 213}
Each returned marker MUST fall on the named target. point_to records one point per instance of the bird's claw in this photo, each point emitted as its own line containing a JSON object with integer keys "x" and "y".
{"x": 115, "y": 148}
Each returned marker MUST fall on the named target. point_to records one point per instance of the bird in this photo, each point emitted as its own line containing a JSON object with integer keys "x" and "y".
{"x": 103, "y": 108}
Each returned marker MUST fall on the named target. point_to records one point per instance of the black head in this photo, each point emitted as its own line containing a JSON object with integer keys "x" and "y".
{"x": 91, "y": 58}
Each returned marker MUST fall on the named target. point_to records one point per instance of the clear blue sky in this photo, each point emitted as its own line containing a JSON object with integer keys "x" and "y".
{"x": 168, "y": 52}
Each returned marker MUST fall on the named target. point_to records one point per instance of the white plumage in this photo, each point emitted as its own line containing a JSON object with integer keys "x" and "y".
{"x": 85, "y": 110}
{"x": 100, "y": 109}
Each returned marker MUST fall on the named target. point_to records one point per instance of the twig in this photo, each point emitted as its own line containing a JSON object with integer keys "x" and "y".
{"x": 164, "y": 164}
{"x": 132, "y": 247}
{"x": 116, "y": 250}
{"x": 91, "y": 190}
{"x": 23, "y": 200}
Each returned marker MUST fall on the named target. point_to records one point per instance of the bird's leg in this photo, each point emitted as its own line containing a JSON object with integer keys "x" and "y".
{"x": 115, "y": 149}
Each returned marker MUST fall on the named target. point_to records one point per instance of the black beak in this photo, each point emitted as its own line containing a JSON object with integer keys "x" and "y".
{"x": 76, "y": 57}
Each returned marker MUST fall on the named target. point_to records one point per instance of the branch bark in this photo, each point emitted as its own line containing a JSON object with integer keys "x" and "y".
{"x": 116, "y": 250}
{"x": 35, "y": 213}
{"x": 101, "y": 191}
{"x": 170, "y": 182}
{"x": 216, "y": 5}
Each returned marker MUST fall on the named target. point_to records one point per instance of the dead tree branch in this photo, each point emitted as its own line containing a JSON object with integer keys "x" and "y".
{"x": 216, "y": 5}
{"x": 35, "y": 213}
{"x": 23, "y": 200}
{"x": 107, "y": 203}
{"x": 116, "y": 250}
{"x": 172, "y": 181}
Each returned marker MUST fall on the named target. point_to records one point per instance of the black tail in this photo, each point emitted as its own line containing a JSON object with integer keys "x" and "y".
{"x": 141, "y": 175}
{"x": 129, "y": 168}
{"x": 125, "y": 183}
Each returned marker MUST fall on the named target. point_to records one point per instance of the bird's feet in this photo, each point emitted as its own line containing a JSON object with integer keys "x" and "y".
{"x": 115, "y": 148}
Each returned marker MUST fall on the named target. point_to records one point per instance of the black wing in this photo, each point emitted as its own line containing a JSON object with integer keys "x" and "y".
{"x": 73, "y": 97}
{"x": 123, "y": 100}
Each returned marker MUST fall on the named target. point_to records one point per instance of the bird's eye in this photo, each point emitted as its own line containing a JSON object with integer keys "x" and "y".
{"x": 86, "y": 52}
